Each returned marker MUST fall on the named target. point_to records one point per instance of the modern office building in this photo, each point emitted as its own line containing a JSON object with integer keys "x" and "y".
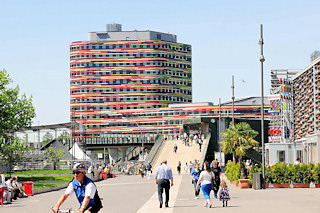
{"x": 307, "y": 114}
{"x": 127, "y": 70}
{"x": 305, "y": 86}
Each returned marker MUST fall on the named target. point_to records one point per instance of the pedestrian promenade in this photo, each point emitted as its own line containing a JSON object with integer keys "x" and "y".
{"x": 185, "y": 154}
{"x": 134, "y": 194}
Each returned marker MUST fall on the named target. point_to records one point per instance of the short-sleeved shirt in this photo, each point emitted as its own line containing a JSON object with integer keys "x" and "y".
{"x": 206, "y": 177}
{"x": 90, "y": 190}
{"x": 196, "y": 174}
{"x": 216, "y": 172}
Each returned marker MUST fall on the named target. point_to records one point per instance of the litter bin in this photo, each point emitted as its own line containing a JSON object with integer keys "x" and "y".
{"x": 28, "y": 188}
{"x": 104, "y": 175}
{"x": 257, "y": 180}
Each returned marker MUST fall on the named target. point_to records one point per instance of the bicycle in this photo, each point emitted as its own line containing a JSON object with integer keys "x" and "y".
{"x": 68, "y": 210}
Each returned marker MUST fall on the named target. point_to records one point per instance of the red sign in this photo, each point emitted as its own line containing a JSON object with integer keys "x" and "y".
{"x": 274, "y": 132}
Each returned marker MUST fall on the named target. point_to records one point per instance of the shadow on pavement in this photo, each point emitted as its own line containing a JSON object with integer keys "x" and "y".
{"x": 185, "y": 206}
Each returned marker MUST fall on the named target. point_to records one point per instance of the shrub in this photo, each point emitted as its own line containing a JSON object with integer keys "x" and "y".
{"x": 316, "y": 173}
{"x": 281, "y": 173}
{"x": 233, "y": 171}
{"x": 258, "y": 168}
{"x": 302, "y": 173}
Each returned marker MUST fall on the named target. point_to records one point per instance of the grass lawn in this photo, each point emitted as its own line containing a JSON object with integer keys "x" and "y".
{"x": 45, "y": 178}
{"x": 40, "y": 172}
{"x": 45, "y": 185}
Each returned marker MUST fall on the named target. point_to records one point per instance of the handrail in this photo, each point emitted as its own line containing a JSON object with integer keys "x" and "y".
{"x": 205, "y": 149}
{"x": 154, "y": 150}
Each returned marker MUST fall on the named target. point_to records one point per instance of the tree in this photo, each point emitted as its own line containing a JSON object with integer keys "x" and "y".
{"x": 46, "y": 138}
{"x": 11, "y": 153}
{"x": 54, "y": 155}
{"x": 237, "y": 140}
{"x": 16, "y": 112}
{"x": 64, "y": 135}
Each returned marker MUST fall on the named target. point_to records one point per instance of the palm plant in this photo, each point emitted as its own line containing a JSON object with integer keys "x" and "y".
{"x": 237, "y": 140}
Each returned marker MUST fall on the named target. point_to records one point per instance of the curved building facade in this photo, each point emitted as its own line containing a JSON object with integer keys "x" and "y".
{"x": 127, "y": 70}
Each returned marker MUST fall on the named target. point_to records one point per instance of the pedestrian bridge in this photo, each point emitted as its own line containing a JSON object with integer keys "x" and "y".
{"x": 118, "y": 140}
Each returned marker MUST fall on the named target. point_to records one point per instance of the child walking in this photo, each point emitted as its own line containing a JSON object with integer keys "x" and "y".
{"x": 224, "y": 193}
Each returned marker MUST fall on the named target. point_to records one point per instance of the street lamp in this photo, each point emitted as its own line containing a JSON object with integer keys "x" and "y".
{"x": 262, "y": 59}
{"x": 85, "y": 139}
{"x": 232, "y": 87}
{"x": 140, "y": 134}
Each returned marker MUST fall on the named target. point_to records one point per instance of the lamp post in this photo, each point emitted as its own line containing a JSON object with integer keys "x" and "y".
{"x": 140, "y": 134}
{"x": 262, "y": 59}
{"x": 85, "y": 139}
{"x": 232, "y": 87}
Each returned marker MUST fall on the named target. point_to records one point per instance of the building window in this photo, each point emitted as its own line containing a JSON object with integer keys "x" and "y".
{"x": 281, "y": 156}
{"x": 299, "y": 155}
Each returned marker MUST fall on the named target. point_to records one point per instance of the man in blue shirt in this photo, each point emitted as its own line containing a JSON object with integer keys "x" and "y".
{"x": 162, "y": 176}
{"x": 85, "y": 191}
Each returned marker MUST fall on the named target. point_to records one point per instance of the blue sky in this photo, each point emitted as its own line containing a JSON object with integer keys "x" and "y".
{"x": 35, "y": 37}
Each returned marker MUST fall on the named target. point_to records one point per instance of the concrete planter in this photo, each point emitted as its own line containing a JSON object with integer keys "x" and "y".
{"x": 244, "y": 184}
{"x": 301, "y": 185}
{"x": 281, "y": 185}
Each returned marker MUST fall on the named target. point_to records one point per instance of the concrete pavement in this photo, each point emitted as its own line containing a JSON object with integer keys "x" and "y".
{"x": 134, "y": 194}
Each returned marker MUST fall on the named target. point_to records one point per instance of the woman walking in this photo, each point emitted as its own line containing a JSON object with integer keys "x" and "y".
{"x": 205, "y": 180}
{"x": 217, "y": 173}
{"x": 195, "y": 177}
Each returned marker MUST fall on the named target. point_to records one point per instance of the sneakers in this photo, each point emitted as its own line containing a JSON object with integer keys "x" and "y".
{"x": 197, "y": 197}
{"x": 210, "y": 206}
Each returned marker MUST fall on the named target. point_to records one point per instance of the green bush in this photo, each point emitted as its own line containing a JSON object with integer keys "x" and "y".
{"x": 258, "y": 168}
{"x": 302, "y": 173}
{"x": 316, "y": 173}
{"x": 281, "y": 173}
{"x": 233, "y": 171}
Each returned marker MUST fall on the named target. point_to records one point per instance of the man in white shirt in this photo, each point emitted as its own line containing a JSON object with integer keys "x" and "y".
{"x": 85, "y": 190}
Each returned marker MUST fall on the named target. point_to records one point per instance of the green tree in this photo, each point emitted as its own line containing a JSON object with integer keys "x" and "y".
{"x": 237, "y": 140}
{"x": 16, "y": 112}
{"x": 11, "y": 153}
{"x": 64, "y": 135}
{"x": 54, "y": 155}
{"x": 46, "y": 138}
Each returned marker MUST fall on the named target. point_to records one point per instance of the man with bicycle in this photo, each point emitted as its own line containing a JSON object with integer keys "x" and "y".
{"x": 85, "y": 191}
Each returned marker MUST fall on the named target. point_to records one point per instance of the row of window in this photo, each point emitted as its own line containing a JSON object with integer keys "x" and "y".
{"x": 158, "y": 114}
{"x": 118, "y": 72}
{"x": 130, "y": 72}
{"x": 91, "y": 46}
{"x": 126, "y": 81}
{"x": 146, "y": 63}
{"x": 111, "y": 90}
{"x": 127, "y": 55}
{"x": 174, "y": 122}
{"x": 103, "y": 100}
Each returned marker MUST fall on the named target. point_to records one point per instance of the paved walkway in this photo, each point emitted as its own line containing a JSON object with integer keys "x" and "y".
{"x": 134, "y": 194}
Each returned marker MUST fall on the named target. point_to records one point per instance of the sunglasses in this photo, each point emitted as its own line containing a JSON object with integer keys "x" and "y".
{"x": 76, "y": 172}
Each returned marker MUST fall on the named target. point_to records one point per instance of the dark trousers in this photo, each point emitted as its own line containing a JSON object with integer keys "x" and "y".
{"x": 196, "y": 192}
{"x": 163, "y": 184}
{"x": 217, "y": 188}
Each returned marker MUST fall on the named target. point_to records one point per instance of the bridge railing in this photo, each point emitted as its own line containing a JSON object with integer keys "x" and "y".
{"x": 117, "y": 139}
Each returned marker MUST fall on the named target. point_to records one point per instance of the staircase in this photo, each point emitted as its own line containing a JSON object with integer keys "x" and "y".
{"x": 185, "y": 154}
